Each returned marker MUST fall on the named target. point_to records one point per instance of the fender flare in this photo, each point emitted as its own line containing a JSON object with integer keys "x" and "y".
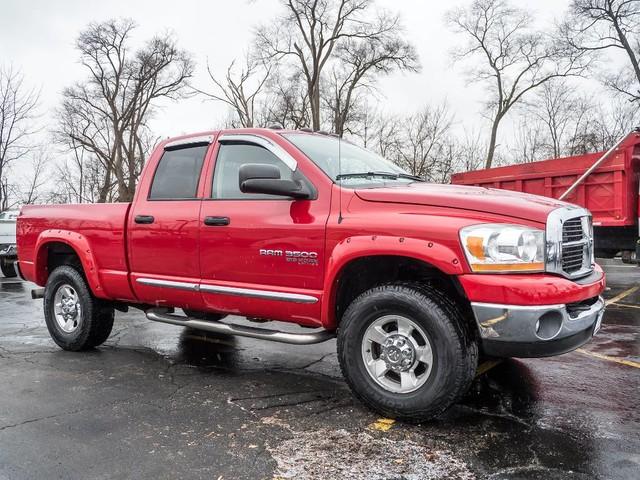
{"x": 432, "y": 253}
{"x": 80, "y": 245}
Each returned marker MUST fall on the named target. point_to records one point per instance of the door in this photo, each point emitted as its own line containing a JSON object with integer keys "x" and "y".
{"x": 164, "y": 228}
{"x": 261, "y": 255}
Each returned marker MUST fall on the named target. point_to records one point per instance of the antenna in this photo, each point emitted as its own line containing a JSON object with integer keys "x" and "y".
{"x": 340, "y": 185}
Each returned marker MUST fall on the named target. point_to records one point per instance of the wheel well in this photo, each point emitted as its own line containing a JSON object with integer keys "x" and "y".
{"x": 365, "y": 273}
{"x": 59, "y": 253}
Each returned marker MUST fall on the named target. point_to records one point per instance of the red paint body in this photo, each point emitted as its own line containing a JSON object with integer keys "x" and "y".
{"x": 419, "y": 221}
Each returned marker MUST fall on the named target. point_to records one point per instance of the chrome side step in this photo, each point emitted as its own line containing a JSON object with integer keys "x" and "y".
{"x": 317, "y": 336}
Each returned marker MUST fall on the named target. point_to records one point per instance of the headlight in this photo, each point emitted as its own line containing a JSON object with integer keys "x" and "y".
{"x": 503, "y": 248}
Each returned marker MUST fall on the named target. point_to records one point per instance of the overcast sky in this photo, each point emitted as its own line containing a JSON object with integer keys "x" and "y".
{"x": 37, "y": 36}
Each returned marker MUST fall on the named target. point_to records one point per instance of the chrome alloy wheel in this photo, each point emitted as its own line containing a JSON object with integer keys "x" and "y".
{"x": 67, "y": 309}
{"x": 397, "y": 353}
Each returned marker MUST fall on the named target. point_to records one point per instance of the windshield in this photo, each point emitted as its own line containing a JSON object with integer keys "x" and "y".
{"x": 357, "y": 165}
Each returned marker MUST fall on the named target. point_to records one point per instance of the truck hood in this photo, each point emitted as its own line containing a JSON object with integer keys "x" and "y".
{"x": 489, "y": 200}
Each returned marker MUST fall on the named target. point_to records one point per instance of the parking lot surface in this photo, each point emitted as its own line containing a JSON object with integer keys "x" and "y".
{"x": 158, "y": 401}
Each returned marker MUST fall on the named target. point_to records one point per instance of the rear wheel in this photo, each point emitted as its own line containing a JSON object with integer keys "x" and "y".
{"x": 7, "y": 268}
{"x": 406, "y": 351}
{"x": 76, "y": 320}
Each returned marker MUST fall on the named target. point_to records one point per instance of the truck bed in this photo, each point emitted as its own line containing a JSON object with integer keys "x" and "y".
{"x": 102, "y": 225}
{"x": 610, "y": 192}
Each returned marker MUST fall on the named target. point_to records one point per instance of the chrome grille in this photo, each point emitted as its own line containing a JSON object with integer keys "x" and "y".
{"x": 574, "y": 244}
{"x": 570, "y": 242}
{"x": 572, "y": 230}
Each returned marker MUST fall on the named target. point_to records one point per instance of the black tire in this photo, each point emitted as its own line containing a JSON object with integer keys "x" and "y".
{"x": 7, "y": 269}
{"x": 453, "y": 344}
{"x": 97, "y": 316}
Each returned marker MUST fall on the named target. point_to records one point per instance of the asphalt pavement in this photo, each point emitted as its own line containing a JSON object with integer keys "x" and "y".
{"x": 158, "y": 401}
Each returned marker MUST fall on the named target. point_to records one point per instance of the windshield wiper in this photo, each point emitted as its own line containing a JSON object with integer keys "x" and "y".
{"x": 391, "y": 175}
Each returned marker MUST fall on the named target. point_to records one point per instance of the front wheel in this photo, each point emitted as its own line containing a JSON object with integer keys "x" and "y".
{"x": 406, "y": 351}
{"x": 76, "y": 320}
{"x": 7, "y": 268}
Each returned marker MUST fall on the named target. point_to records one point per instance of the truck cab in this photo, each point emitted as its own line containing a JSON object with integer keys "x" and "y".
{"x": 415, "y": 280}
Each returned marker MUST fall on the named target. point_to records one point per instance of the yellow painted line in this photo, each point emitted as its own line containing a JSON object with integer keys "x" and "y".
{"x": 382, "y": 424}
{"x": 484, "y": 367}
{"x": 624, "y": 294}
{"x": 626, "y": 305}
{"x": 621, "y": 361}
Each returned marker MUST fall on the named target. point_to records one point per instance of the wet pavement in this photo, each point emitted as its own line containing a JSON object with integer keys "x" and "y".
{"x": 158, "y": 401}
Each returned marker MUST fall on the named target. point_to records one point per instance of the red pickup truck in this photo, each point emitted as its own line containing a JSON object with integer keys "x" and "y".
{"x": 415, "y": 280}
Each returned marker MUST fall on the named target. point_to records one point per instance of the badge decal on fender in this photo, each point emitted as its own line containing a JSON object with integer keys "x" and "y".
{"x": 292, "y": 256}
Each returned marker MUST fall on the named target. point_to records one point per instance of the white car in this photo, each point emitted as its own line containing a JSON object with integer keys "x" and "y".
{"x": 8, "y": 253}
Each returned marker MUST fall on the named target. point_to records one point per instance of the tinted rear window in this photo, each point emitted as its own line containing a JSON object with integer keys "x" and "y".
{"x": 178, "y": 173}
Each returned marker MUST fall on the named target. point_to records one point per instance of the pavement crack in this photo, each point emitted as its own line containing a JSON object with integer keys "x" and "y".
{"x": 304, "y": 367}
{"x": 272, "y": 395}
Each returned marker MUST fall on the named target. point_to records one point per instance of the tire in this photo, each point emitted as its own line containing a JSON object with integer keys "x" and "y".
{"x": 87, "y": 326}
{"x": 440, "y": 381}
{"x": 629, "y": 257}
{"x": 7, "y": 269}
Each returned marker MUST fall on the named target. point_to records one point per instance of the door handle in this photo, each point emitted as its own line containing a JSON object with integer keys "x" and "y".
{"x": 144, "y": 219}
{"x": 216, "y": 221}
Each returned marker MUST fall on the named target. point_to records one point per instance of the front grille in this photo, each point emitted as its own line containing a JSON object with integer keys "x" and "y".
{"x": 576, "y": 245}
{"x": 572, "y": 230}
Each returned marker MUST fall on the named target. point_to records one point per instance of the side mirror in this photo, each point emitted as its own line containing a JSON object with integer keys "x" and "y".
{"x": 264, "y": 178}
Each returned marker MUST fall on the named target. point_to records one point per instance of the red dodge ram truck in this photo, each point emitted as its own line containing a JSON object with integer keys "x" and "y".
{"x": 416, "y": 280}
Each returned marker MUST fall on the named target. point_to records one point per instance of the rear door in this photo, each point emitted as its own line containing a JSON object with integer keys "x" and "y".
{"x": 164, "y": 227}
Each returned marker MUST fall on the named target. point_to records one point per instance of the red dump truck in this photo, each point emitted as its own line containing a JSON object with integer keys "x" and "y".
{"x": 606, "y": 183}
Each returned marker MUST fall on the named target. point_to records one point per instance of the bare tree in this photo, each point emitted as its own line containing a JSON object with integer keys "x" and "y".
{"x": 106, "y": 114}
{"x": 423, "y": 141}
{"x": 17, "y": 114}
{"x": 239, "y": 90}
{"x": 516, "y": 58}
{"x": 562, "y": 111}
{"x": 359, "y": 62}
{"x": 597, "y": 25}
{"x": 605, "y": 124}
{"x": 35, "y": 180}
{"x": 531, "y": 141}
{"x": 470, "y": 151}
{"x": 286, "y": 102}
{"x": 311, "y": 31}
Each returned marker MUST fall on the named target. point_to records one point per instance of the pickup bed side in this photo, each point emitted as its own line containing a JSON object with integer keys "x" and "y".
{"x": 94, "y": 233}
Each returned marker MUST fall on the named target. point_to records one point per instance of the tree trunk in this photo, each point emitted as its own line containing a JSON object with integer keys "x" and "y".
{"x": 492, "y": 141}
{"x": 315, "y": 106}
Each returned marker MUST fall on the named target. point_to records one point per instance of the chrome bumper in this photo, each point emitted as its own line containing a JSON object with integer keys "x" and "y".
{"x": 535, "y": 331}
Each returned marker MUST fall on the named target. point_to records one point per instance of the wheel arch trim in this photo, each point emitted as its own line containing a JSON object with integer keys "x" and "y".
{"x": 81, "y": 247}
{"x": 350, "y": 249}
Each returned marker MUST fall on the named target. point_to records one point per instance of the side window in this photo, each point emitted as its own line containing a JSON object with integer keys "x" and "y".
{"x": 177, "y": 174}
{"x": 226, "y": 175}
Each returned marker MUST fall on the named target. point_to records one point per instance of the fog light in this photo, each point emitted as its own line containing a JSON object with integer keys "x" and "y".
{"x": 549, "y": 325}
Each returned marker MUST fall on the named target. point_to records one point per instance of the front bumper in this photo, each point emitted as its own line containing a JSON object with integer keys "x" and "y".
{"x": 537, "y": 331}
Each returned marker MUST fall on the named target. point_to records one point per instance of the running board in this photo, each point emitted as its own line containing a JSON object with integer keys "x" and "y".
{"x": 163, "y": 315}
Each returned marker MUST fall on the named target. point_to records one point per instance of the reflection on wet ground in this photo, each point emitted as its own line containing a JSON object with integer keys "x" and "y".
{"x": 159, "y": 400}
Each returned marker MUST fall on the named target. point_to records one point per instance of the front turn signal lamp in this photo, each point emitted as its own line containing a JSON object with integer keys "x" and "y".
{"x": 503, "y": 248}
